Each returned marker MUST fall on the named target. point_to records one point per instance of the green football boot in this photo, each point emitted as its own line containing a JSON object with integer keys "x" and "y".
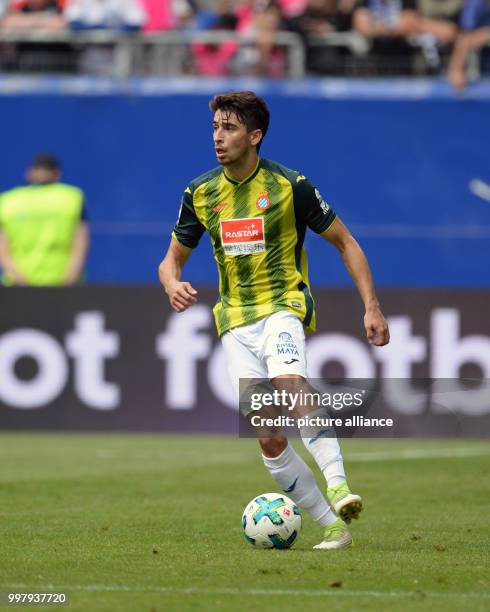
{"x": 347, "y": 505}
{"x": 335, "y": 536}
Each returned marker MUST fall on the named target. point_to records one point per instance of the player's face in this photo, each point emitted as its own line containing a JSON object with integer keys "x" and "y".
{"x": 232, "y": 141}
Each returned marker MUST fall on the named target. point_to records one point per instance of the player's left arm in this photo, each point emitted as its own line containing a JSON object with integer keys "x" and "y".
{"x": 78, "y": 255}
{"x": 79, "y": 248}
{"x": 357, "y": 265}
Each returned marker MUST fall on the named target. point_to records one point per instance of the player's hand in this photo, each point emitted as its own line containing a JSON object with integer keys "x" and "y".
{"x": 457, "y": 79}
{"x": 181, "y": 295}
{"x": 70, "y": 280}
{"x": 376, "y": 326}
{"x": 18, "y": 280}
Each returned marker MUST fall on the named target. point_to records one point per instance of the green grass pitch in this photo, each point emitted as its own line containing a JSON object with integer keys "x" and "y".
{"x": 150, "y": 523}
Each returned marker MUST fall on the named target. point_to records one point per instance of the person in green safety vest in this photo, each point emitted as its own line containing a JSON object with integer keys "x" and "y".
{"x": 44, "y": 234}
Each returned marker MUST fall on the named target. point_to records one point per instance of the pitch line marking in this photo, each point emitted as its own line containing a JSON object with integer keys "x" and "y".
{"x": 409, "y": 454}
{"x": 429, "y": 453}
{"x": 94, "y": 588}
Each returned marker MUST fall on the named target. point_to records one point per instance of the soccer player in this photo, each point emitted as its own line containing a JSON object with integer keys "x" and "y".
{"x": 257, "y": 212}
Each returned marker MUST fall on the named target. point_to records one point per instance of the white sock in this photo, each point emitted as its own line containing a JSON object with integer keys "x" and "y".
{"x": 289, "y": 470}
{"x": 325, "y": 451}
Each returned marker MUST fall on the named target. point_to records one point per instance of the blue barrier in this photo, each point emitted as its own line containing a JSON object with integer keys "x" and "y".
{"x": 406, "y": 165}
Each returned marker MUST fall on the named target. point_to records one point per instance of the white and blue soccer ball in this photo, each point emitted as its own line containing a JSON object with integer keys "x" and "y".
{"x": 271, "y": 520}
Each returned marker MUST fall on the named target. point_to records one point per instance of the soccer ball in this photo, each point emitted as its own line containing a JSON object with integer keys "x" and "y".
{"x": 271, "y": 520}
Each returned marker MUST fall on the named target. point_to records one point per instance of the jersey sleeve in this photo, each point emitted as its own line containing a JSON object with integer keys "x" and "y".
{"x": 188, "y": 229}
{"x": 311, "y": 207}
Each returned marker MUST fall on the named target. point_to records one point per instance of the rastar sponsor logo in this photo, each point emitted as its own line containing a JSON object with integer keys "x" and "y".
{"x": 243, "y": 236}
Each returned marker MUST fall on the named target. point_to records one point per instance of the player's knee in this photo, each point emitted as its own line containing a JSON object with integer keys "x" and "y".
{"x": 273, "y": 447}
{"x": 291, "y": 383}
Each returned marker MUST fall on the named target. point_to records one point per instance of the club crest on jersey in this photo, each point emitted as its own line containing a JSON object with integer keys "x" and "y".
{"x": 263, "y": 201}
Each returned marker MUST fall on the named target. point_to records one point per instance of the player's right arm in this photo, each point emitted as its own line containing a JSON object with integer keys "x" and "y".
{"x": 185, "y": 237}
{"x": 181, "y": 294}
{"x": 8, "y": 264}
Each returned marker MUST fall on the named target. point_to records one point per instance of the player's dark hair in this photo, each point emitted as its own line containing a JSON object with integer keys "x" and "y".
{"x": 250, "y": 109}
{"x": 47, "y": 161}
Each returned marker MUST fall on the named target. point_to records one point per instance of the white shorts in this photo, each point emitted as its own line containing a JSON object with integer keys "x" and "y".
{"x": 265, "y": 349}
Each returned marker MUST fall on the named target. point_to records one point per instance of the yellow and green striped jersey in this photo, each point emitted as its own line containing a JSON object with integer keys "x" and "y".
{"x": 257, "y": 229}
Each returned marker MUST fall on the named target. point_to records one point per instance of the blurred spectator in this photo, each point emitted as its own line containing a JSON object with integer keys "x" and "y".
{"x": 342, "y": 9}
{"x": 160, "y": 14}
{"x": 3, "y": 7}
{"x": 317, "y": 18}
{"x": 324, "y": 16}
{"x": 43, "y": 229}
{"x": 34, "y": 15}
{"x": 446, "y": 10}
{"x": 392, "y": 18}
{"x": 116, "y": 15}
{"x": 386, "y": 18}
{"x": 438, "y": 26}
{"x": 259, "y": 21}
{"x": 185, "y": 12}
{"x": 345, "y": 13}
{"x": 440, "y": 18}
{"x": 320, "y": 18}
{"x": 214, "y": 59}
{"x": 221, "y": 16}
{"x": 292, "y": 8}
{"x": 123, "y": 15}
{"x": 388, "y": 23}
{"x": 475, "y": 35}
{"x": 168, "y": 14}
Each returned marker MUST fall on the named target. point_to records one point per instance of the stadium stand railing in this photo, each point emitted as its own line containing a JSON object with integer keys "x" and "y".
{"x": 166, "y": 53}
{"x": 122, "y": 55}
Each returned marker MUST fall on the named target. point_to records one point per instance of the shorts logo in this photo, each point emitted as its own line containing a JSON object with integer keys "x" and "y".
{"x": 286, "y": 345}
{"x": 243, "y": 236}
{"x": 263, "y": 201}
